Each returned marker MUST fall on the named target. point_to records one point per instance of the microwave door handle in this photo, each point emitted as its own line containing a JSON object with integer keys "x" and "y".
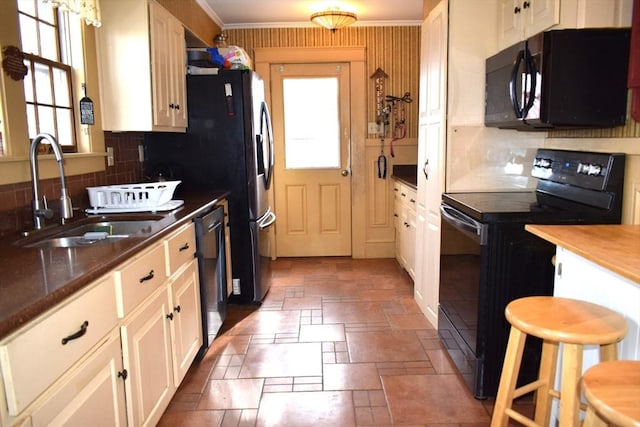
{"x": 513, "y": 87}
{"x": 531, "y": 71}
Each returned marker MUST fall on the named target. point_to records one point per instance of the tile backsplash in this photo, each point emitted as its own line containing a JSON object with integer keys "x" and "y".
{"x": 15, "y": 212}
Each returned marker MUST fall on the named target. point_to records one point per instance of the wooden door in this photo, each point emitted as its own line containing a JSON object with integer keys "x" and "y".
{"x": 311, "y": 126}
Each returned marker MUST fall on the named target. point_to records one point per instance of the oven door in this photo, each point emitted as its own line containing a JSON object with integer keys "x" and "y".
{"x": 463, "y": 242}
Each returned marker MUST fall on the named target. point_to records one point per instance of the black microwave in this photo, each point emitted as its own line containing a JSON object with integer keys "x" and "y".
{"x": 567, "y": 79}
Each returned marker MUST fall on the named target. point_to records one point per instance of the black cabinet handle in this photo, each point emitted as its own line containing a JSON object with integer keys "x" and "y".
{"x": 170, "y": 316}
{"x": 76, "y": 335}
{"x": 516, "y": 10}
{"x": 123, "y": 374}
{"x": 147, "y": 277}
{"x": 177, "y": 106}
{"x": 177, "y": 309}
{"x": 184, "y": 247}
{"x": 526, "y": 4}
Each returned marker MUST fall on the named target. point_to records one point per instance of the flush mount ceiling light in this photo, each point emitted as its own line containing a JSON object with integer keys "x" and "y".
{"x": 334, "y": 19}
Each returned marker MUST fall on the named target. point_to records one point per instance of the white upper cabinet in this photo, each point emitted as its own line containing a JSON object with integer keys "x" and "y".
{"x": 141, "y": 61}
{"x": 520, "y": 19}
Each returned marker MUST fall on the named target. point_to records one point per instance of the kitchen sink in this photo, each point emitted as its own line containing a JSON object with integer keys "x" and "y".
{"x": 91, "y": 231}
{"x": 75, "y": 241}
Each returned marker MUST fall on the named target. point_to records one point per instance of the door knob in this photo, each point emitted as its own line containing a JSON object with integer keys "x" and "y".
{"x": 344, "y": 172}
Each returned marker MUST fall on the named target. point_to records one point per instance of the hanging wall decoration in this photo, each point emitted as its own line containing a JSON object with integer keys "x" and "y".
{"x": 13, "y": 63}
{"x": 382, "y": 118}
{"x": 86, "y": 108}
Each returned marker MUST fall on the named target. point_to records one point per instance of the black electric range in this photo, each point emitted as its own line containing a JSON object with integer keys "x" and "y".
{"x": 507, "y": 262}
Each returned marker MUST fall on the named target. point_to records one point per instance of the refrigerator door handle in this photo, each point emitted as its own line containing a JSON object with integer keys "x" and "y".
{"x": 265, "y": 127}
{"x": 267, "y": 220}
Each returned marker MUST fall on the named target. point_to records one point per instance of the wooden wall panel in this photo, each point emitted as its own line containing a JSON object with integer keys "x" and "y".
{"x": 394, "y": 49}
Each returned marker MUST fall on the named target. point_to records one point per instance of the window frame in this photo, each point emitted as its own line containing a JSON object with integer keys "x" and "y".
{"x": 62, "y": 28}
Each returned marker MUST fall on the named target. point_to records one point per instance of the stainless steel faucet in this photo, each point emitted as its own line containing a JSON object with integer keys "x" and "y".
{"x": 40, "y": 208}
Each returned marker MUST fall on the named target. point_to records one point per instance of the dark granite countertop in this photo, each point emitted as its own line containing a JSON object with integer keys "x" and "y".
{"x": 33, "y": 280}
{"x": 407, "y": 174}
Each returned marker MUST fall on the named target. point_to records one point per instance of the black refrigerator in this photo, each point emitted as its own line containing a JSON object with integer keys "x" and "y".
{"x": 228, "y": 146}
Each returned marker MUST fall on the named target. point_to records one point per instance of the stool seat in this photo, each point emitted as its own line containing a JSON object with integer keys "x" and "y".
{"x": 566, "y": 320}
{"x": 556, "y": 321}
{"x": 612, "y": 390}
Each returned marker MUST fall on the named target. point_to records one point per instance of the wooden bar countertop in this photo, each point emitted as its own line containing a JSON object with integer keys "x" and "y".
{"x": 614, "y": 247}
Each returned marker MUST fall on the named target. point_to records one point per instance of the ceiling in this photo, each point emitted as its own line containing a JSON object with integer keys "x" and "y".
{"x": 230, "y": 14}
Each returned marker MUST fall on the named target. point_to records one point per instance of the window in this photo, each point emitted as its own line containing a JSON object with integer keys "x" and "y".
{"x": 312, "y": 129}
{"x": 45, "y": 36}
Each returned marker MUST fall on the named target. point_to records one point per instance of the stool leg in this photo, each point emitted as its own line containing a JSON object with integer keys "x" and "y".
{"x": 508, "y": 378}
{"x": 609, "y": 352}
{"x": 548, "y": 363}
{"x": 592, "y": 419}
{"x": 570, "y": 383}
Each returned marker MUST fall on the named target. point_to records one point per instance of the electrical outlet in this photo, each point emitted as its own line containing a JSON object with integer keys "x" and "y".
{"x": 141, "y": 153}
{"x": 373, "y": 128}
{"x": 236, "y": 286}
{"x": 110, "y": 158}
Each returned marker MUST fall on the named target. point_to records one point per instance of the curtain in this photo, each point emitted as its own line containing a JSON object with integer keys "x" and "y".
{"x": 89, "y": 10}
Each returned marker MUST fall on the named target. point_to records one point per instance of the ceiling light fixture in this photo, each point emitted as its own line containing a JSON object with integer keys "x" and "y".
{"x": 334, "y": 19}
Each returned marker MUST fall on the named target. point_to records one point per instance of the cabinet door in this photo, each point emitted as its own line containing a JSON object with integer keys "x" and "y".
{"x": 510, "y": 22}
{"x": 186, "y": 329}
{"x": 146, "y": 353}
{"x": 431, "y": 141}
{"x": 93, "y": 393}
{"x": 178, "y": 75}
{"x": 540, "y": 15}
{"x": 160, "y": 35}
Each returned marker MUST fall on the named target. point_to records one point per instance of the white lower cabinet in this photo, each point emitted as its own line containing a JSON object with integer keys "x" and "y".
{"x": 129, "y": 340}
{"x": 405, "y": 226}
{"x": 146, "y": 352}
{"x": 93, "y": 391}
{"x": 186, "y": 329}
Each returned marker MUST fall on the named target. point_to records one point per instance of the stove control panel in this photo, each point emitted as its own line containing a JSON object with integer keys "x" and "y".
{"x": 587, "y": 170}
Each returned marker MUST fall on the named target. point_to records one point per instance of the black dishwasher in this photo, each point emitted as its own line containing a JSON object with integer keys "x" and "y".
{"x": 211, "y": 255}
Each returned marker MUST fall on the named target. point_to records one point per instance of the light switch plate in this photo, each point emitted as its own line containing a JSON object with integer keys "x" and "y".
{"x": 110, "y": 159}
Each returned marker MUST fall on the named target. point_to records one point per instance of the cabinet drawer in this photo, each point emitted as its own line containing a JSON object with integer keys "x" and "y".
{"x": 180, "y": 248}
{"x": 139, "y": 278}
{"x": 34, "y": 358}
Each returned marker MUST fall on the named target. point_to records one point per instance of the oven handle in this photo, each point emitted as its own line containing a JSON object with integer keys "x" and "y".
{"x": 464, "y": 223}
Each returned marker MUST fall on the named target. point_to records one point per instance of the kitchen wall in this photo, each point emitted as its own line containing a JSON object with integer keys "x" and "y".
{"x": 394, "y": 49}
{"x": 16, "y": 213}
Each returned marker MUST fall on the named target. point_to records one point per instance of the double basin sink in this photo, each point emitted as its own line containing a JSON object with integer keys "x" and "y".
{"x": 91, "y": 231}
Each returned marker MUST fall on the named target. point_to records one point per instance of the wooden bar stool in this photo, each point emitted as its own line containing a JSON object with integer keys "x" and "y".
{"x": 555, "y": 320}
{"x": 612, "y": 390}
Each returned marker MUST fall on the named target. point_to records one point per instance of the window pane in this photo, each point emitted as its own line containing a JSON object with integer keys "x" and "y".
{"x": 28, "y": 84}
{"x": 48, "y": 44}
{"x": 61, "y": 88}
{"x": 31, "y": 121}
{"x": 311, "y": 123}
{"x": 43, "y": 84}
{"x": 29, "y": 35}
{"x": 46, "y": 121}
{"x": 27, "y": 6}
{"x": 65, "y": 132}
{"x": 46, "y": 12}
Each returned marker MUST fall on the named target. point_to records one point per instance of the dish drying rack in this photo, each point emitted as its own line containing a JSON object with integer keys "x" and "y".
{"x": 143, "y": 197}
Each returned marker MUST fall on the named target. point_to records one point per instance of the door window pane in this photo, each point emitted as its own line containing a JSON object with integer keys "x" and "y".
{"x": 311, "y": 123}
